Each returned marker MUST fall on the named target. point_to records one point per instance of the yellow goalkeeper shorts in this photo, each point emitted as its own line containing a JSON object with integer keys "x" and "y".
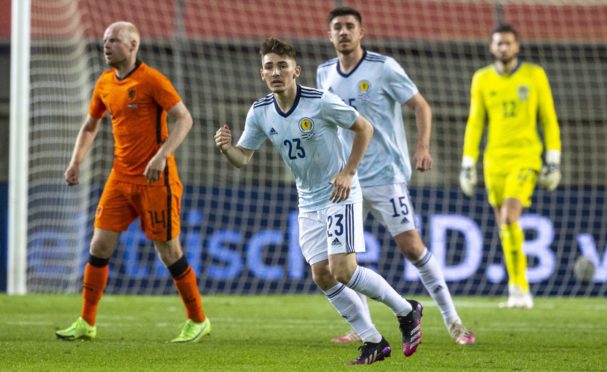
{"x": 517, "y": 184}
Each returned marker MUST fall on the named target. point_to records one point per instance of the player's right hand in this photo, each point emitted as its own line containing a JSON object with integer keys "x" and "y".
{"x": 423, "y": 159}
{"x": 223, "y": 138}
{"x": 342, "y": 183}
{"x": 467, "y": 180}
{"x": 72, "y": 175}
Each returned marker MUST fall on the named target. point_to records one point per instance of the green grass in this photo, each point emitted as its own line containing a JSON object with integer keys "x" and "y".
{"x": 291, "y": 333}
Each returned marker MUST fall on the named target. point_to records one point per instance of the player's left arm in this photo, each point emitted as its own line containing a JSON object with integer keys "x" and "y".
{"x": 342, "y": 183}
{"x": 180, "y": 123}
{"x": 551, "y": 172}
{"x": 547, "y": 114}
{"x": 423, "y": 120}
{"x": 402, "y": 89}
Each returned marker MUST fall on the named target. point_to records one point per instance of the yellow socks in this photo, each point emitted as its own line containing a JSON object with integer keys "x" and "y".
{"x": 512, "y": 238}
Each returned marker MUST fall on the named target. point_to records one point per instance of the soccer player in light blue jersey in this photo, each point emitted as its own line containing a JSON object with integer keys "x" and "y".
{"x": 302, "y": 123}
{"x": 377, "y": 86}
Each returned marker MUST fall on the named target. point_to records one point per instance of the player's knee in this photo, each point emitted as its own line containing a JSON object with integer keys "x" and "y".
{"x": 343, "y": 278}
{"x": 410, "y": 244}
{"x": 342, "y": 274}
{"x": 103, "y": 243}
{"x": 100, "y": 248}
{"x": 510, "y": 218}
{"x": 168, "y": 258}
{"x": 169, "y": 251}
{"x": 323, "y": 279}
{"x": 511, "y": 211}
{"x": 413, "y": 252}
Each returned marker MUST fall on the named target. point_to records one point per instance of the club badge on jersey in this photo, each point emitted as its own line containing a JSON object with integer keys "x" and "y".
{"x": 523, "y": 92}
{"x": 363, "y": 87}
{"x": 132, "y": 94}
{"x": 306, "y": 126}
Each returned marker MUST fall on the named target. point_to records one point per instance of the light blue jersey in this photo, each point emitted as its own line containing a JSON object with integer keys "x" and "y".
{"x": 306, "y": 137}
{"x": 377, "y": 87}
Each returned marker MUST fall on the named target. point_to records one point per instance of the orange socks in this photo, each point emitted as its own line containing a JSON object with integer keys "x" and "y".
{"x": 96, "y": 274}
{"x": 185, "y": 281}
{"x": 95, "y": 279}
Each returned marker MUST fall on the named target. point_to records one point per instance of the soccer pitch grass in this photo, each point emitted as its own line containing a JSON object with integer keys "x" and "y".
{"x": 292, "y": 333}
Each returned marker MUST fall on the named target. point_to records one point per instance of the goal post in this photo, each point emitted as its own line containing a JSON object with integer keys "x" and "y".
{"x": 19, "y": 149}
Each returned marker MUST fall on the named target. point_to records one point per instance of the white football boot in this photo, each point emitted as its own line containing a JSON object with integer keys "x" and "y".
{"x": 517, "y": 299}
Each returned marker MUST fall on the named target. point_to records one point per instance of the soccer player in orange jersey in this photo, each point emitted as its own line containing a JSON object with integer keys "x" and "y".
{"x": 144, "y": 181}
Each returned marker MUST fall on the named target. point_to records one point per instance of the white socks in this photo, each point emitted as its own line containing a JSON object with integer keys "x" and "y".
{"x": 432, "y": 277}
{"x": 363, "y": 299}
{"x": 373, "y": 285}
{"x": 368, "y": 283}
{"x": 349, "y": 306}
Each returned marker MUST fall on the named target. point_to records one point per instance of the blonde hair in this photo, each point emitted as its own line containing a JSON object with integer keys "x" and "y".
{"x": 129, "y": 29}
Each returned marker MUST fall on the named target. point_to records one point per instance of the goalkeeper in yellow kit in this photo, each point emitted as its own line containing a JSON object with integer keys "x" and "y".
{"x": 511, "y": 96}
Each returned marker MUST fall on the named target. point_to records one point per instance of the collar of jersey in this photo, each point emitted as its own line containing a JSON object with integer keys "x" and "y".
{"x": 137, "y": 64}
{"x": 355, "y": 67}
{"x": 285, "y": 114}
{"x": 515, "y": 69}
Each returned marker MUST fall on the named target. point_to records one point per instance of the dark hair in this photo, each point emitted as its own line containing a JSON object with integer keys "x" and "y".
{"x": 344, "y": 11}
{"x": 505, "y": 27}
{"x": 276, "y": 46}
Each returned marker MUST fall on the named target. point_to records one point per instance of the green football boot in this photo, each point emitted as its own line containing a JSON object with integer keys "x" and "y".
{"x": 193, "y": 332}
{"x": 79, "y": 330}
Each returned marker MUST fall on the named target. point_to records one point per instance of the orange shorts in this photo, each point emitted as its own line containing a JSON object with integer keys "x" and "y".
{"x": 158, "y": 207}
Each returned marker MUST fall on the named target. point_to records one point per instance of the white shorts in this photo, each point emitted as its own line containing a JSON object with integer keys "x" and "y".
{"x": 333, "y": 230}
{"x": 391, "y": 206}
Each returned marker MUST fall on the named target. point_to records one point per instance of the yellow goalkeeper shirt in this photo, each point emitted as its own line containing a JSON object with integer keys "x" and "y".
{"x": 512, "y": 105}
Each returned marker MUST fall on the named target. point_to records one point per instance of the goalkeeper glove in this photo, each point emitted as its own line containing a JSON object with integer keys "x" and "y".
{"x": 551, "y": 171}
{"x": 467, "y": 176}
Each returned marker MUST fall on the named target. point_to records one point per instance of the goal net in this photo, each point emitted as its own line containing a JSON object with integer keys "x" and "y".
{"x": 239, "y": 227}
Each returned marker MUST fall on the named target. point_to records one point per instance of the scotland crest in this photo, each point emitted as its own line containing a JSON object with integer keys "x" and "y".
{"x": 306, "y": 127}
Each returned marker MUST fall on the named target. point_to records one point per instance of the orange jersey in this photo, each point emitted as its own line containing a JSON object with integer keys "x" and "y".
{"x": 138, "y": 106}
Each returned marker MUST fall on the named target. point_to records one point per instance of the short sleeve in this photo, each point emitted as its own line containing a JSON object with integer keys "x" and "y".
{"x": 253, "y": 136}
{"x": 318, "y": 78}
{"x": 397, "y": 83}
{"x": 164, "y": 92}
{"x": 335, "y": 111}
{"x": 97, "y": 108}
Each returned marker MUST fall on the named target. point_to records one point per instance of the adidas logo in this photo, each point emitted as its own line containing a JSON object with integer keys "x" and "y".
{"x": 273, "y": 131}
{"x": 335, "y": 242}
{"x": 404, "y": 220}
